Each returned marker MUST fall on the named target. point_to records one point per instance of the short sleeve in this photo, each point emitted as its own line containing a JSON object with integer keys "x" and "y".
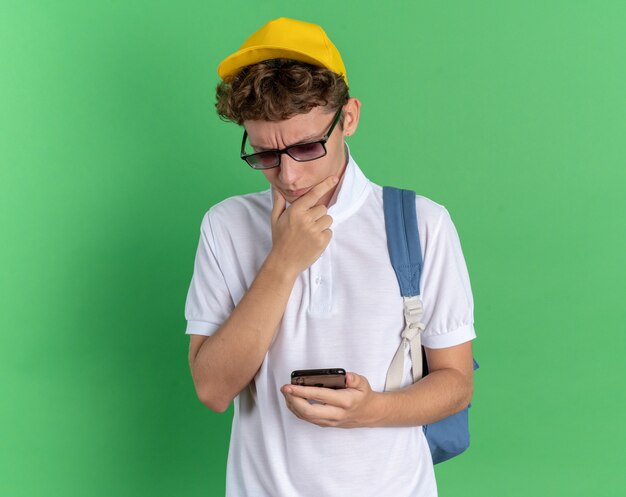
{"x": 446, "y": 292}
{"x": 209, "y": 302}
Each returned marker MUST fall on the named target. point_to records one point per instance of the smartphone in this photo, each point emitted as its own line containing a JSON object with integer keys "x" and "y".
{"x": 334, "y": 378}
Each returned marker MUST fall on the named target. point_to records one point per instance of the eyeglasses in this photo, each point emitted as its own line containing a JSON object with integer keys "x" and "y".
{"x": 301, "y": 152}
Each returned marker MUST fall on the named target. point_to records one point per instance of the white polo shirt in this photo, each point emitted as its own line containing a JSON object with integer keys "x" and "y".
{"x": 345, "y": 311}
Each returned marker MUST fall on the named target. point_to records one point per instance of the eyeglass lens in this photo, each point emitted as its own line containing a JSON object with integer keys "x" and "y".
{"x": 304, "y": 152}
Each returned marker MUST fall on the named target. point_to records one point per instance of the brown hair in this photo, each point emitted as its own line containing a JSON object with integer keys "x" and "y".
{"x": 277, "y": 89}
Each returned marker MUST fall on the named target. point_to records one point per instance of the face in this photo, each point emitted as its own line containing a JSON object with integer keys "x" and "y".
{"x": 292, "y": 178}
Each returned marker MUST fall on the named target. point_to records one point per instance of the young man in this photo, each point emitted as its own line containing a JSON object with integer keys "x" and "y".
{"x": 299, "y": 277}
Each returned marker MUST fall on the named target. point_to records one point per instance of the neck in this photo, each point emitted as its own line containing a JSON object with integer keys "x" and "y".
{"x": 331, "y": 197}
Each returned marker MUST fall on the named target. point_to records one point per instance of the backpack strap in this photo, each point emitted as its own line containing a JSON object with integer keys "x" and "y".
{"x": 406, "y": 258}
{"x": 449, "y": 436}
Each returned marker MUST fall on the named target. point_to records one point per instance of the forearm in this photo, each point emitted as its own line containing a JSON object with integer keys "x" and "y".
{"x": 228, "y": 360}
{"x": 438, "y": 395}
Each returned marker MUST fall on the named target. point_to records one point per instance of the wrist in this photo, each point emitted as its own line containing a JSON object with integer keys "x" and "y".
{"x": 278, "y": 270}
{"x": 378, "y": 409}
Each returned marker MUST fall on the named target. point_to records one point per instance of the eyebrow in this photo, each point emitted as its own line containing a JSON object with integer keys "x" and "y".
{"x": 303, "y": 140}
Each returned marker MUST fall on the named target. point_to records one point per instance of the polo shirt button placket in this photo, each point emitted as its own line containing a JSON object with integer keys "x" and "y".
{"x": 320, "y": 289}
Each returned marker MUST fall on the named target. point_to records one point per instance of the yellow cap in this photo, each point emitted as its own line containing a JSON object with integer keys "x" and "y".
{"x": 288, "y": 38}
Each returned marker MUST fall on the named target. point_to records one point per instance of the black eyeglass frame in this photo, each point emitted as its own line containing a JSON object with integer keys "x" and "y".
{"x": 280, "y": 152}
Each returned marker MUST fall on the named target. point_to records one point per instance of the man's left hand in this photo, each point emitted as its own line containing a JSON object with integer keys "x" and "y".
{"x": 355, "y": 406}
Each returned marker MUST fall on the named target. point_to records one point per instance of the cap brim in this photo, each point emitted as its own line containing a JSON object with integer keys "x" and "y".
{"x": 232, "y": 64}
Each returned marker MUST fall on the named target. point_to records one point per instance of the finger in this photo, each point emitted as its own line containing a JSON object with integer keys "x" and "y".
{"x": 303, "y": 407}
{"x": 323, "y": 414}
{"x": 293, "y": 404}
{"x": 279, "y": 205}
{"x": 313, "y": 196}
{"x": 299, "y": 407}
{"x": 327, "y": 396}
{"x": 317, "y": 212}
{"x": 356, "y": 381}
{"x": 324, "y": 222}
{"x": 352, "y": 380}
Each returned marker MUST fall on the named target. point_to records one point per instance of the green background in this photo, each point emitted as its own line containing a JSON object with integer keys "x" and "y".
{"x": 509, "y": 113}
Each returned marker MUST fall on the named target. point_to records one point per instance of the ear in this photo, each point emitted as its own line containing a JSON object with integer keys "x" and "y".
{"x": 352, "y": 111}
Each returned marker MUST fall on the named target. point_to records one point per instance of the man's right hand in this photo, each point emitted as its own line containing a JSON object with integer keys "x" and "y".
{"x": 301, "y": 232}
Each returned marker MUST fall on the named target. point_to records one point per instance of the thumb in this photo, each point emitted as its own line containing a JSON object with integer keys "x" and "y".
{"x": 279, "y": 205}
{"x": 353, "y": 380}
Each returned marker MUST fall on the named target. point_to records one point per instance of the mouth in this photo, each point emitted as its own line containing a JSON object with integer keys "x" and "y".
{"x": 296, "y": 193}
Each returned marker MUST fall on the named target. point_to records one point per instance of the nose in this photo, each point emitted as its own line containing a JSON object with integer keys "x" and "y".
{"x": 289, "y": 170}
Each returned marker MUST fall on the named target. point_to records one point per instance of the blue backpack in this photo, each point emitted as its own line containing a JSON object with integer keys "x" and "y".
{"x": 450, "y": 436}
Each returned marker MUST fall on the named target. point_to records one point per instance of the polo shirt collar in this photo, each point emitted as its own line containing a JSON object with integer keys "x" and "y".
{"x": 351, "y": 192}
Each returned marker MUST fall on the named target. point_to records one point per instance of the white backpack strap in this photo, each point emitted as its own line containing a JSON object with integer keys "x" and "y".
{"x": 411, "y": 337}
